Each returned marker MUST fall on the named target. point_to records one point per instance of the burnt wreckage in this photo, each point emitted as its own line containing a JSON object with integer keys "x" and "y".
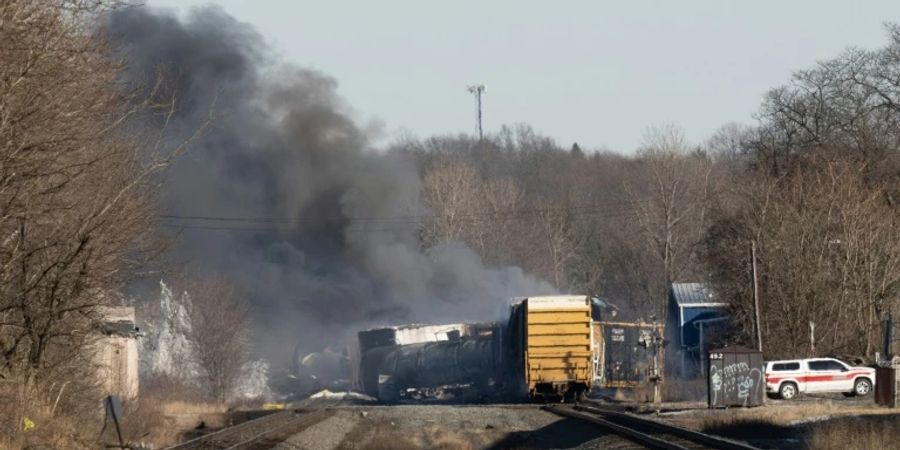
{"x": 430, "y": 361}
{"x": 550, "y": 346}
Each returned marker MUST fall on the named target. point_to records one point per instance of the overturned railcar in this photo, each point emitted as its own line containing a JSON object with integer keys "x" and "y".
{"x": 464, "y": 363}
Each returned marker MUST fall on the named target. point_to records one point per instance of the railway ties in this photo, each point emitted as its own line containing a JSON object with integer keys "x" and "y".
{"x": 649, "y": 433}
{"x": 261, "y": 433}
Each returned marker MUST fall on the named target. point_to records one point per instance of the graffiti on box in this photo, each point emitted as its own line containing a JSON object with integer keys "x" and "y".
{"x": 738, "y": 379}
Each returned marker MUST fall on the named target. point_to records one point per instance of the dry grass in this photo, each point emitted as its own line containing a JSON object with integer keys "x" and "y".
{"x": 786, "y": 414}
{"x": 161, "y": 422}
{"x": 166, "y": 409}
{"x": 822, "y": 425}
{"x": 872, "y": 433}
{"x": 63, "y": 415}
{"x": 76, "y": 420}
{"x": 144, "y": 422}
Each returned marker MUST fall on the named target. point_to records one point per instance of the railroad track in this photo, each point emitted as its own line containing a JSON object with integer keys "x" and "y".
{"x": 260, "y": 433}
{"x": 649, "y": 433}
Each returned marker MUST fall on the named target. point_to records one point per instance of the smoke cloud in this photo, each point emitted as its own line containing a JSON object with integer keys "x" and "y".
{"x": 328, "y": 247}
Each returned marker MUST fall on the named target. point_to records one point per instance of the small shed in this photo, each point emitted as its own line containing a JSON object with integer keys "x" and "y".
{"x": 736, "y": 377}
{"x": 695, "y": 318}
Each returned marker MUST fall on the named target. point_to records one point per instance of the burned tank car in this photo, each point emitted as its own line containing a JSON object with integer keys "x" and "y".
{"x": 457, "y": 367}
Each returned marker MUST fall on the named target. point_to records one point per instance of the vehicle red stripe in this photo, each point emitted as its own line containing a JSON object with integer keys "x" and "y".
{"x": 816, "y": 378}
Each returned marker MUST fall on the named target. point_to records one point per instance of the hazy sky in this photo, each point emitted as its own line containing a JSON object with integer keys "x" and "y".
{"x": 597, "y": 73}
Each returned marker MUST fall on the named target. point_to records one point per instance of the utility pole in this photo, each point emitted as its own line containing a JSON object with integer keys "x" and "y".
{"x": 756, "y": 296}
{"x": 812, "y": 338}
{"x": 478, "y": 90}
{"x": 655, "y": 343}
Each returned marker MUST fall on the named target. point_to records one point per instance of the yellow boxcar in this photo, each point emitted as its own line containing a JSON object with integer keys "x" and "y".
{"x": 557, "y": 353}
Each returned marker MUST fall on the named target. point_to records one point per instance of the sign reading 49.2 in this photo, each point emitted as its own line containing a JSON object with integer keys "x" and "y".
{"x": 716, "y": 356}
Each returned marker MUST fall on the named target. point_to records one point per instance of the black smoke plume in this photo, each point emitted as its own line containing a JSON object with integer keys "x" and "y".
{"x": 284, "y": 153}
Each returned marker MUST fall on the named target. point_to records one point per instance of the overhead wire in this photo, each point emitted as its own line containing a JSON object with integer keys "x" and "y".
{"x": 593, "y": 206}
{"x": 616, "y": 209}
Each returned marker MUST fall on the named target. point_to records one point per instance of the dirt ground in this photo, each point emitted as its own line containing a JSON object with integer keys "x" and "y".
{"x": 810, "y": 422}
{"x": 451, "y": 427}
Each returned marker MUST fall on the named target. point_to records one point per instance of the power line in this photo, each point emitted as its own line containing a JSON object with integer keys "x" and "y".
{"x": 396, "y": 224}
{"x": 404, "y": 219}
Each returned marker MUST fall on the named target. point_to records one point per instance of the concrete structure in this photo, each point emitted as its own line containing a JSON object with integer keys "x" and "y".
{"x": 695, "y": 318}
{"x": 116, "y": 352}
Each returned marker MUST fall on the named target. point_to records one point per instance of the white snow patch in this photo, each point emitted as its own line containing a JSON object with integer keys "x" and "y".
{"x": 166, "y": 349}
{"x": 325, "y": 393}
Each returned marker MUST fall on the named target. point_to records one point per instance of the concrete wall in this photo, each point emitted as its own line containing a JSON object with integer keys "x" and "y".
{"x": 116, "y": 353}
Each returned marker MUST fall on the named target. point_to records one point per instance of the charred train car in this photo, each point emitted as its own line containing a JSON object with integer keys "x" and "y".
{"x": 550, "y": 346}
{"x": 623, "y": 353}
{"x": 430, "y": 361}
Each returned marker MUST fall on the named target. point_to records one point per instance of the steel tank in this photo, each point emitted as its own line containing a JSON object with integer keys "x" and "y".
{"x": 390, "y": 371}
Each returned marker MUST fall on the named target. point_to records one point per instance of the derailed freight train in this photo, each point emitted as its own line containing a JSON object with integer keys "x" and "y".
{"x": 547, "y": 348}
{"x": 416, "y": 362}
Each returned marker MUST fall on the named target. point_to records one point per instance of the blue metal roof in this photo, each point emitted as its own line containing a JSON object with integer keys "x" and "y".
{"x": 688, "y": 295}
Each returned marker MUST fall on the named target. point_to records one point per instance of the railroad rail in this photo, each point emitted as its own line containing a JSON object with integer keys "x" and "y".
{"x": 649, "y": 433}
{"x": 262, "y": 432}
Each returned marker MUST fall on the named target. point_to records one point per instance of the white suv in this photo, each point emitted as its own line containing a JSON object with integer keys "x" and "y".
{"x": 791, "y": 377}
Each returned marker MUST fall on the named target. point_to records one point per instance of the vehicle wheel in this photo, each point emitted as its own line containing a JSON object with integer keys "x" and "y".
{"x": 787, "y": 391}
{"x": 862, "y": 387}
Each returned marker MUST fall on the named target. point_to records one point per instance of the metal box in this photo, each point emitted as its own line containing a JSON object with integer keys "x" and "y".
{"x": 735, "y": 377}
{"x": 887, "y": 386}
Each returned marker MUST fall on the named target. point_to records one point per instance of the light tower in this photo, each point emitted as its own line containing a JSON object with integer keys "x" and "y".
{"x": 478, "y": 90}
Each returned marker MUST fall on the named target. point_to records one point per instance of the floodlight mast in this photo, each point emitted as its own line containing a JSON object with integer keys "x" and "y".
{"x": 478, "y": 90}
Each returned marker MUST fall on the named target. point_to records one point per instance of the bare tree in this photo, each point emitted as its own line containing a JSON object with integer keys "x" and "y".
{"x": 670, "y": 202}
{"x": 220, "y": 334}
{"x": 451, "y": 191}
{"x": 77, "y": 193}
{"x": 75, "y": 201}
{"x": 468, "y": 208}
{"x": 827, "y": 254}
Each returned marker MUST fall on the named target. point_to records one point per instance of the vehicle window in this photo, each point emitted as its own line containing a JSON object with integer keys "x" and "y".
{"x": 779, "y": 367}
{"x": 825, "y": 365}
